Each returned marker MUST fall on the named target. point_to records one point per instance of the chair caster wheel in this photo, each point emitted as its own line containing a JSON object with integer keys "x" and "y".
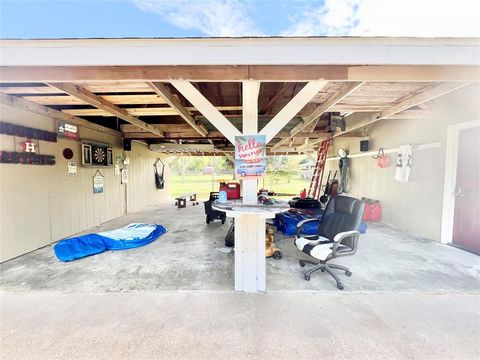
{"x": 307, "y": 277}
{"x": 277, "y": 255}
{"x": 340, "y": 286}
{"x": 348, "y": 273}
{"x": 301, "y": 263}
{"x": 322, "y": 270}
{"x": 223, "y": 221}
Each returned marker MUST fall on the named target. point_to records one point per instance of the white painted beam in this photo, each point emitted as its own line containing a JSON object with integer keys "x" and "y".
{"x": 292, "y": 108}
{"x": 206, "y": 109}
{"x": 250, "y": 92}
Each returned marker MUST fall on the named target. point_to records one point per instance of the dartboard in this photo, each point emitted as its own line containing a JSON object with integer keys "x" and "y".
{"x": 99, "y": 155}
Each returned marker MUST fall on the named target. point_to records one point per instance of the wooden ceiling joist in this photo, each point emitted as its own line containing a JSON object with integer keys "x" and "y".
{"x": 143, "y": 111}
{"x": 166, "y": 94}
{"x": 23, "y": 104}
{"x": 319, "y": 110}
{"x": 138, "y": 99}
{"x": 206, "y": 109}
{"x": 292, "y": 108}
{"x": 433, "y": 92}
{"x": 97, "y": 101}
{"x": 326, "y": 106}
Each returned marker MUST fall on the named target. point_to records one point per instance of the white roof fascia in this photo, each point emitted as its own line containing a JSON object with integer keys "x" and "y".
{"x": 241, "y": 51}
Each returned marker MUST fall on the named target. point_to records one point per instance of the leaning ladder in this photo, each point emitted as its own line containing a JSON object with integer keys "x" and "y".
{"x": 316, "y": 182}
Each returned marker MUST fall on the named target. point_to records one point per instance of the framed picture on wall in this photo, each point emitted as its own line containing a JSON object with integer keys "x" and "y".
{"x": 86, "y": 154}
{"x": 109, "y": 156}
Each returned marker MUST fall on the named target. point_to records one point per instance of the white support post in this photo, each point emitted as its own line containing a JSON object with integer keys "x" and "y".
{"x": 199, "y": 101}
{"x": 250, "y": 227}
{"x": 250, "y": 92}
{"x": 292, "y": 108}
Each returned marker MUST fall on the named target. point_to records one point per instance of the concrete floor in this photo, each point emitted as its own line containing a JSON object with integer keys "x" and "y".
{"x": 407, "y": 299}
{"x": 186, "y": 258}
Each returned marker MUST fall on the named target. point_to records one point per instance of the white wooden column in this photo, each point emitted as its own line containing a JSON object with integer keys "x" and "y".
{"x": 250, "y": 92}
{"x": 250, "y": 228}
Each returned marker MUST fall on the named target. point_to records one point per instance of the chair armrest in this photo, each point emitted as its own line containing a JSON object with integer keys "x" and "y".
{"x": 303, "y": 222}
{"x": 343, "y": 235}
{"x": 340, "y": 237}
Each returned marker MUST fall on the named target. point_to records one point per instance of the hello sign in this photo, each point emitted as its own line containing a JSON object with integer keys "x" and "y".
{"x": 250, "y": 155}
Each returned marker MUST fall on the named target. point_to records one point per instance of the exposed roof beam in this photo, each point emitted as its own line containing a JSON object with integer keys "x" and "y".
{"x": 292, "y": 108}
{"x": 267, "y": 108}
{"x": 105, "y": 105}
{"x": 50, "y": 74}
{"x": 23, "y": 104}
{"x": 143, "y": 111}
{"x": 250, "y": 90}
{"x": 309, "y": 119}
{"x": 164, "y": 92}
{"x": 206, "y": 109}
{"x": 411, "y": 101}
{"x": 326, "y": 106}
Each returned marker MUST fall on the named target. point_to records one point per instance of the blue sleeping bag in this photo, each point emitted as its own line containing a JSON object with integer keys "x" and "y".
{"x": 128, "y": 237}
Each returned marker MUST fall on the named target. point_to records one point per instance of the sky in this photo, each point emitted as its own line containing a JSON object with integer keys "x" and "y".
{"x": 218, "y": 18}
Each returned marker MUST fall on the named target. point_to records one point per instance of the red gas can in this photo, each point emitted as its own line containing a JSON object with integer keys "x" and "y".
{"x": 367, "y": 212}
{"x": 376, "y": 211}
{"x": 232, "y": 189}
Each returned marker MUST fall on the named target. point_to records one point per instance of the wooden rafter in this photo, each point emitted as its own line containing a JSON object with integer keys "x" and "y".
{"x": 144, "y": 111}
{"x": 206, "y": 109}
{"x": 105, "y": 105}
{"x": 23, "y": 104}
{"x": 267, "y": 108}
{"x": 164, "y": 92}
{"x": 407, "y": 103}
{"x": 292, "y": 108}
{"x": 326, "y": 106}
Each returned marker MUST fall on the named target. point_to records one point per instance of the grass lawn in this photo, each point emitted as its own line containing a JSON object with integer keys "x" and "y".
{"x": 202, "y": 185}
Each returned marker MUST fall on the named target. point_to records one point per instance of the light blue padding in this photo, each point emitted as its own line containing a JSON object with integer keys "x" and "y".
{"x": 130, "y": 232}
{"x": 128, "y": 237}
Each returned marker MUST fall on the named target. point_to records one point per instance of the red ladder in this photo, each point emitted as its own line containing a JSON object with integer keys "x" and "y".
{"x": 314, "y": 189}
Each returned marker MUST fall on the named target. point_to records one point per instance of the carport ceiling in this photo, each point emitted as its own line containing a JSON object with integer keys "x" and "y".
{"x": 304, "y": 89}
{"x": 138, "y": 101}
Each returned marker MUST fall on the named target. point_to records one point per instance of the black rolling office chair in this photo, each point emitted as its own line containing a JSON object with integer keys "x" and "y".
{"x": 337, "y": 236}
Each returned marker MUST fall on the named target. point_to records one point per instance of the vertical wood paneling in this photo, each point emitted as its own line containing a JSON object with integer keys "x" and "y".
{"x": 41, "y": 204}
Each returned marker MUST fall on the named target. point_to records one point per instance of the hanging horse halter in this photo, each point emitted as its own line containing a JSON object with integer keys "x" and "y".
{"x": 159, "y": 180}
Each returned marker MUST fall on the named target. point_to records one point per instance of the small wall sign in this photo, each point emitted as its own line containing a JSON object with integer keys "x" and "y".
{"x": 98, "y": 182}
{"x": 29, "y": 146}
{"x": 67, "y": 131}
{"x": 72, "y": 168}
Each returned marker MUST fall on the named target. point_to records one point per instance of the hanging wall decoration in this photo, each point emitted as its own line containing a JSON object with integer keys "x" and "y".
{"x": 72, "y": 168}
{"x": 67, "y": 130}
{"x": 27, "y": 132}
{"x": 96, "y": 155}
{"x": 98, "y": 182}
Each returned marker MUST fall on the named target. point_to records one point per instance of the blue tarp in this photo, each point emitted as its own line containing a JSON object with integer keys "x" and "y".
{"x": 128, "y": 237}
{"x": 287, "y": 222}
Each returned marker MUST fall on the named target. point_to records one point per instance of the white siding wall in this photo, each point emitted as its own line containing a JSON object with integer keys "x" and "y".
{"x": 40, "y": 205}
